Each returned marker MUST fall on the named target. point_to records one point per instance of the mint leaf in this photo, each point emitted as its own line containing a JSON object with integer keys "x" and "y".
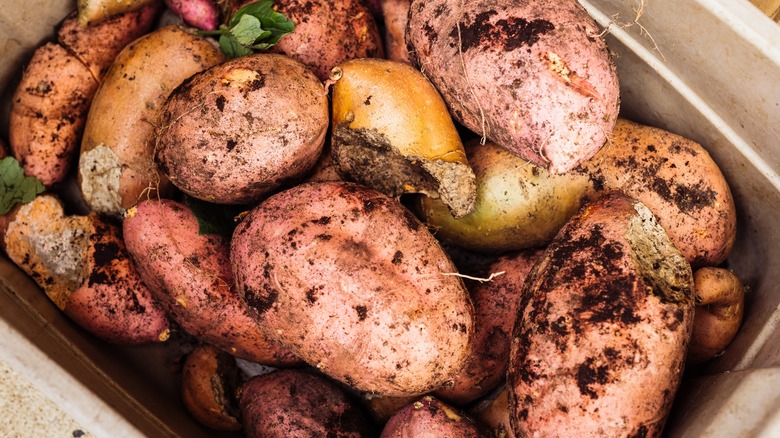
{"x": 256, "y": 26}
{"x": 215, "y": 218}
{"x": 15, "y": 187}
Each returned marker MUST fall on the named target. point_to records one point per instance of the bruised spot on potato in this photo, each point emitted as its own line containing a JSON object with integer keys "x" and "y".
{"x": 509, "y": 34}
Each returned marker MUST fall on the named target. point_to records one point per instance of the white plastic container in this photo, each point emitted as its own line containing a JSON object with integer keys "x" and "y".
{"x": 707, "y": 69}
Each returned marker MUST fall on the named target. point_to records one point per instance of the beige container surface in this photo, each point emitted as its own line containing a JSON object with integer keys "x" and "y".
{"x": 707, "y": 69}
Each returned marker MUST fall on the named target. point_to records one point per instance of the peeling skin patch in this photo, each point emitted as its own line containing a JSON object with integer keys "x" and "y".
{"x": 100, "y": 170}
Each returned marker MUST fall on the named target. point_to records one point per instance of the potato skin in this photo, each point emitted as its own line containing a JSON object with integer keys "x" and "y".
{"x": 495, "y": 311}
{"x": 720, "y": 306}
{"x": 328, "y": 33}
{"x": 678, "y": 180}
{"x": 352, "y": 283}
{"x": 190, "y": 276}
{"x": 605, "y": 317}
{"x": 242, "y": 129}
{"x": 115, "y": 166}
{"x": 430, "y": 418}
{"x": 396, "y": 15}
{"x": 494, "y": 413}
{"x": 81, "y": 263}
{"x": 534, "y": 77}
{"x": 296, "y": 404}
{"x": 48, "y": 112}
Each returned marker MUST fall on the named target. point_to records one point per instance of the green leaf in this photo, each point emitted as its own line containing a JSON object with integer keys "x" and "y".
{"x": 247, "y": 30}
{"x": 231, "y": 47}
{"x": 215, "y": 218}
{"x": 257, "y": 9}
{"x": 15, "y": 187}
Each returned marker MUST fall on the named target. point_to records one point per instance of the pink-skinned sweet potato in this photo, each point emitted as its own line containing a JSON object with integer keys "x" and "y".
{"x": 328, "y": 33}
{"x": 495, "y": 311}
{"x": 298, "y": 404}
{"x": 190, "y": 276}
{"x": 599, "y": 345}
{"x": 355, "y": 285}
{"x": 534, "y": 77}
{"x": 430, "y": 418}
{"x": 202, "y": 14}
{"x": 396, "y": 15}
{"x": 82, "y": 265}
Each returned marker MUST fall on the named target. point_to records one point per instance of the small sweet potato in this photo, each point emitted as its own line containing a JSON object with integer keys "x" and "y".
{"x": 92, "y": 12}
{"x": 209, "y": 380}
{"x": 81, "y": 263}
{"x": 495, "y": 311}
{"x": 242, "y": 129}
{"x": 493, "y": 412}
{"x": 292, "y": 404}
{"x": 603, "y": 326}
{"x": 720, "y": 304}
{"x": 202, "y": 14}
{"x": 328, "y": 33}
{"x": 115, "y": 167}
{"x": 355, "y": 285}
{"x": 430, "y": 418}
{"x": 534, "y": 77}
{"x": 189, "y": 274}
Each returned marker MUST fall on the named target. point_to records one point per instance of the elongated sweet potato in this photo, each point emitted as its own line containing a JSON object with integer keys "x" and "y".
{"x": 190, "y": 275}
{"x": 605, "y": 318}
{"x": 495, "y": 311}
{"x": 534, "y": 77}
{"x": 355, "y": 285}
{"x": 81, "y": 263}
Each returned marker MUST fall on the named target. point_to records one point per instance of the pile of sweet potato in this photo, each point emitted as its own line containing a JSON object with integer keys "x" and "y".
{"x": 461, "y": 240}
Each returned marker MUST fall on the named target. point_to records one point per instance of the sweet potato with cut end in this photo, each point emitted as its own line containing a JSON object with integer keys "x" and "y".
{"x": 720, "y": 305}
{"x": 293, "y": 403}
{"x": 209, "y": 380}
{"x": 605, "y": 318}
{"x": 81, "y": 263}
{"x": 534, "y": 77}
{"x": 242, "y": 129}
{"x": 392, "y": 132}
{"x": 677, "y": 180}
{"x": 430, "y": 418}
{"x": 354, "y": 284}
{"x": 328, "y": 33}
{"x": 518, "y": 205}
{"x": 116, "y": 167}
{"x": 495, "y": 311}
{"x": 189, "y": 274}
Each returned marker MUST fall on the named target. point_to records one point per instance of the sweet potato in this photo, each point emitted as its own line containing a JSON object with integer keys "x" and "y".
{"x": 202, "y": 14}
{"x": 495, "y": 311}
{"x": 430, "y": 418}
{"x": 720, "y": 305}
{"x": 3, "y": 149}
{"x": 92, "y": 12}
{"x": 392, "y": 132}
{"x": 328, "y": 33}
{"x": 518, "y": 205}
{"x": 677, "y": 180}
{"x": 493, "y": 412}
{"x": 82, "y": 265}
{"x": 115, "y": 167}
{"x": 603, "y": 326}
{"x": 189, "y": 274}
{"x": 396, "y": 15}
{"x": 382, "y": 408}
{"x": 242, "y": 129}
{"x": 293, "y": 403}
{"x": 355, "y": 285}
{"x": 534, "y": 77}
{"x": 209, "y": 382}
